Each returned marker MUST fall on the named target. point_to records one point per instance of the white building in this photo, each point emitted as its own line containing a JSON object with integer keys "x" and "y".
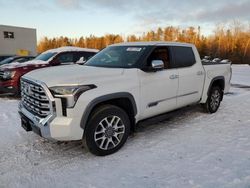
{"x": 17, "y": 40}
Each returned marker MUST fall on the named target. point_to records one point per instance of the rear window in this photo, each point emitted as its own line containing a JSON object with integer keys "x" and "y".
{"x": 183, "y": 57}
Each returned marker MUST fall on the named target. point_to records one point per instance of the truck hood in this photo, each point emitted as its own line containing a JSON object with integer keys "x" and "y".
{"x": 35, "y": 63}
{"x": 73, "y": 74}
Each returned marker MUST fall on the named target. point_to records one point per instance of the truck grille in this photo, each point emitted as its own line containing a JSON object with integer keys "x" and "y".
{"x": 34, "y": 99}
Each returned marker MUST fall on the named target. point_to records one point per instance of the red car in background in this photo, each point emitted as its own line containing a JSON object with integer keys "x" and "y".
{"x": 10, "y": 74}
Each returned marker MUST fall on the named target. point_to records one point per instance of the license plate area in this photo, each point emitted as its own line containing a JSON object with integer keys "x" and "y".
{"x": 29, "y": 125}
{"x": 25, "y": 124}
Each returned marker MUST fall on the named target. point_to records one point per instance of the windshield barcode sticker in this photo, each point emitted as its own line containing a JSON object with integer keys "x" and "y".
{"x": 133, "y": 49}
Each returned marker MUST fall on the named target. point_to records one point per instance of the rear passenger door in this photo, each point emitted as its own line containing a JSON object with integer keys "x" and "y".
{"x": 191, "y": 75}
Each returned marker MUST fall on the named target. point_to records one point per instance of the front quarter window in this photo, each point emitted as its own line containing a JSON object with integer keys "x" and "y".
{"x": 118, "y": 57}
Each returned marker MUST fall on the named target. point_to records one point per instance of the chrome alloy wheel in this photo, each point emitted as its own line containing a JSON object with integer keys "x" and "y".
{"x": 215, "y": 99}
{"x": 109, "y": 132}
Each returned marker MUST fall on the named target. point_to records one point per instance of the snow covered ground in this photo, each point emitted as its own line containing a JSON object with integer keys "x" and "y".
{"x": 191, "y": 149}
{"x": 241, "y": 75}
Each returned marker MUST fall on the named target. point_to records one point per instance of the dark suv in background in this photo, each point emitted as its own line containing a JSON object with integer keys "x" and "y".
{"x": 16, "y": 59}
{"x": 2, "y": 57}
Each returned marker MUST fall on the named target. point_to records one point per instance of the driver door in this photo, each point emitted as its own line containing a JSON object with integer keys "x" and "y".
{"x": 158, "y": 89}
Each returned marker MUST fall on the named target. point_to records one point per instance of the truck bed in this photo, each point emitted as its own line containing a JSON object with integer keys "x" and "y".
{"x": 216, "y": 70}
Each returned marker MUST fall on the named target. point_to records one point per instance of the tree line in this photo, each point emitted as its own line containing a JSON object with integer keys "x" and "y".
{"x": 227, "y": 41}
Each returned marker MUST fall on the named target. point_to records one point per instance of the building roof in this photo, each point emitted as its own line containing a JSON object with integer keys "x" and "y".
{"x": 16, "y": 27}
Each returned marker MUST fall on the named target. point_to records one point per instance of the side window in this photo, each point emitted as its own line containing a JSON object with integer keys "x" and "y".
{"x": 160, "y": 53}
{"x": 83, "y": 56}
{"x": 183, "y": 56}
{"x": 90, "y": 54}
{"x": 65, "y": 58}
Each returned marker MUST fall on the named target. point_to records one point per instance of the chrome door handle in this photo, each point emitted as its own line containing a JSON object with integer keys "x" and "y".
{"x": 174, "y": 76}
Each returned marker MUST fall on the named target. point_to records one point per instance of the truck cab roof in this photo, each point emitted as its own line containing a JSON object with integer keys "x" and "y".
{"x": 153, "y": 43}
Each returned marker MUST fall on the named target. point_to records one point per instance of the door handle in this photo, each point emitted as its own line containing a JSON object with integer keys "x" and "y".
{"x": 174, "y": 76}
{"x": 199, "y": 73}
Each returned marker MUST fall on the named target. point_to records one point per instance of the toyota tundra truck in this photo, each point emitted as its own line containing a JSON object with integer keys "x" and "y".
{"x": 10, "y": 74}
{"x": 101, "y": 101}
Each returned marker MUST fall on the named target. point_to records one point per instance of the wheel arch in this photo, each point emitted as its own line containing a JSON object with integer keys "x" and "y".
{"x": 218, "y": 81}
{"x": 122, "y": 99}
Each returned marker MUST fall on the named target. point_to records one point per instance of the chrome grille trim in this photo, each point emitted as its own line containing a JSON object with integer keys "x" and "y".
{"x": 36, "y": 99}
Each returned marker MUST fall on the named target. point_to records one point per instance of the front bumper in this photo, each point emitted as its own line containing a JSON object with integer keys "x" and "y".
{"x": 39, "y": 110}
{"x": 8, "y": 87}
{"x": 34, "y": 123}
{"x": 54, "y": 128}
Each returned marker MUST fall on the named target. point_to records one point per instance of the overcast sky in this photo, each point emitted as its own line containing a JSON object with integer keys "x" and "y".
{"x": 75, "y": 18}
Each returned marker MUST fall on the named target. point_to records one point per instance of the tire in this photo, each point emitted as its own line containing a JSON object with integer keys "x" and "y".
{"x": 213, "y": 100}
{"x": 107, "y": 130}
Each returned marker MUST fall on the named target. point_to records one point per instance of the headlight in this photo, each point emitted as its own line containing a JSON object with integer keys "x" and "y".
{"x": 70, "y": 93}
{"x": 7, "y": 75}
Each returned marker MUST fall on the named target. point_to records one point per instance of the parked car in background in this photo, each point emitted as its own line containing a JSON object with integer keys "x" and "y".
{"x": 16, "y": 59}
{"x": 103, "y": 100}
{"x": 10, "y": 74}
{"x": 2, "y": 57}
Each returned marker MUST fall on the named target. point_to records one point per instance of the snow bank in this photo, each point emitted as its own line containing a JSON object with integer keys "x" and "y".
{"x": 241, "y": 75}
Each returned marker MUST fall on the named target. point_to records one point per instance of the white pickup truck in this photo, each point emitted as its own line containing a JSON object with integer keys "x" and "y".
{"x": 102, "y": 101}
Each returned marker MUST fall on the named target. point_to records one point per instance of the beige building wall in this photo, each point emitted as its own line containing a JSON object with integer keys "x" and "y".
{"x": 24, "y": 41}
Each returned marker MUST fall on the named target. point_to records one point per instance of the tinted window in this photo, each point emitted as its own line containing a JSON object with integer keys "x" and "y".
{"x": 45, "y": 56}
{"x": 89, "y": 55}
{"x": 83, "y": 56}
{"x": 66, "y": 58}
{"x": 160, "y": 53}
{"x": 183, "y": 57}
{"x": 20, "y": 60}
{"x": 23, "y": 59}
{"x": 6, "y": 61}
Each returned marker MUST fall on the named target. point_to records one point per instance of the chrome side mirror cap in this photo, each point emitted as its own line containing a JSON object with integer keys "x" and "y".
{"x": 157, "y": 64}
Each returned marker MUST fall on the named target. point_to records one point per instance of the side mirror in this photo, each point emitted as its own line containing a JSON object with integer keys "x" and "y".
{"x": 157, "y": 65}
{"x": 81, "y": 61}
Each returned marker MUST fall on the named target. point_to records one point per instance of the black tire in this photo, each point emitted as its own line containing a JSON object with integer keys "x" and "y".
{"x": 107, "y": 130}
{"x": 213, "y": 100}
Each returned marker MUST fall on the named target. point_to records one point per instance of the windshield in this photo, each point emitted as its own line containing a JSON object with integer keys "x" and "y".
{"x": 117, "y": 57}
{"x": 6, "y": 61}
{"x": 45, "y": 56}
